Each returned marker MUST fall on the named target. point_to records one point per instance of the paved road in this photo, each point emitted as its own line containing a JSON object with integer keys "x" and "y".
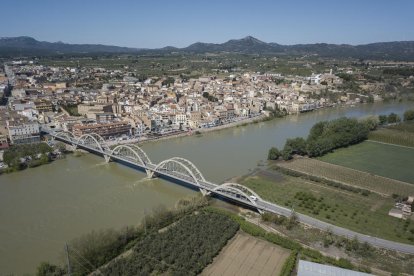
{"x": 274, "y": 208}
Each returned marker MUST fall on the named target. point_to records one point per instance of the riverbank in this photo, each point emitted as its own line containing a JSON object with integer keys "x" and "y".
{"x": 245, "y": 122}
{"x": 24, "y": 156}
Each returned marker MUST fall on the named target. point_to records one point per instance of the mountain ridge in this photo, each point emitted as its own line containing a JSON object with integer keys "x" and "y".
{"x": 398, "y": 50}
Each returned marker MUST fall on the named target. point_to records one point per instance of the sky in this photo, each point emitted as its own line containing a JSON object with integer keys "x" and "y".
{"x": 179, "y": 23}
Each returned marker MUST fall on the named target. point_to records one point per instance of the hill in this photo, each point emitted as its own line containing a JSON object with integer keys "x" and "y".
{"x": 398, "y": 50}
{"x": 24, "y": 45}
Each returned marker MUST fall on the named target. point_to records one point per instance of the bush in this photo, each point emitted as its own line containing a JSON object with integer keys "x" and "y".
{"x": 286, "y": 154}
{"x": 99, "y": 247}
{"x": 393, "y": 118}
{"x": 383, "y": 119}
{"x": 409, "y": 115}
{"x": 47, "y": 269}
{"x": 327, "y": 136}
{"x": 295, "y": 146}
{"x": 273, "y": 154}
{"x": 289, "y": 264}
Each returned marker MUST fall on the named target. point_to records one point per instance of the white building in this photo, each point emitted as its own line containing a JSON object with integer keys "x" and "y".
{"x": 181, "y": 119}
{"x": 23, "y": 132}
{"x": 315, "y": 79}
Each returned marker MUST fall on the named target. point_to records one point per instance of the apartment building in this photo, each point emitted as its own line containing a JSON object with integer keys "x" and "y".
{"x": 105, "y": 129}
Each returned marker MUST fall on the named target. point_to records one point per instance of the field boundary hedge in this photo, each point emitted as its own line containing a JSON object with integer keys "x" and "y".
{"x": 329, "y": 182}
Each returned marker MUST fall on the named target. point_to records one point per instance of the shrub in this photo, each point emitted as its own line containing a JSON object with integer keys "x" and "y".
{"x": 289, "y": 264}
{"x": 409, "y": 115}
{"x": 273, "y": 154}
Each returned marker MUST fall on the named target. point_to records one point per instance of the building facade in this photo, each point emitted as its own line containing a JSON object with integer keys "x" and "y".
{"x": 23, "y": 132}
{"x": 105, "y": 130}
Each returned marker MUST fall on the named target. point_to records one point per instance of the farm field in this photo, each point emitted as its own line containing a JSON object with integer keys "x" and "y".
{"x": 364, "y": 214}
{"x": 352, "y": 177}
{"x": 402, "y": 134}
{"x": 381, "y": 159}
{"x": 247, "y": 255}
{"x": 185, "y": 248}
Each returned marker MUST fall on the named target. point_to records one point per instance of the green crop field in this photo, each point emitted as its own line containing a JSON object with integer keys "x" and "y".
{"x": 364, "y": 214}
{"x": 402, "y": 134}
{"x": 381, "y": 159}
{"x": 345, "y": 177}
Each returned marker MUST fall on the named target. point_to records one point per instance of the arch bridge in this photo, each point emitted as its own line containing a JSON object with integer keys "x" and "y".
{"x": 175, "y": 168}
{"x": 182, "y": 170}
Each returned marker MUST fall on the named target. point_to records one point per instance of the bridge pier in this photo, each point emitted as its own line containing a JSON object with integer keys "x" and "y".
{"x": 150, "y": 174}
{"x": 72, "y": 147}
{"x": 107, "y": 158}
{"x": 204, "y": 192}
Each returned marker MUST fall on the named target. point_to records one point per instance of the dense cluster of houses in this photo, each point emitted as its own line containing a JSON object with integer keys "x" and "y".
{"x": 116, "y": 102}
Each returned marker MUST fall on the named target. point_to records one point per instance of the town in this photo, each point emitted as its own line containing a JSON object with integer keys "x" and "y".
{"x": 119, "y": 106}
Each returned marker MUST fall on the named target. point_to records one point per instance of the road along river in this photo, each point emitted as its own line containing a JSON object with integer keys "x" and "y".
{"x": 43, "y": 207}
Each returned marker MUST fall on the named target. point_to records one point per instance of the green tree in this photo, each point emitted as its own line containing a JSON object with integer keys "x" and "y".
{"x": 409, "y": 115}
{"x": 296, "y": 146}
{"x": 167, "y": 82}
{"x": 273, "y": 154}
{"x": 286, "y": 154}
{"x": 393, "y": 118}
{"x": 327, "y": 136}
{"x": 47, "y": 269}
{"x": 383, "y": 119}
{"x": 371, "y": 122}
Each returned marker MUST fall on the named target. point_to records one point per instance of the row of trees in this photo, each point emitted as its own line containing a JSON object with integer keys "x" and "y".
{"x": 393, "y": 118}
{"x": 184, "y": 249}
{"x": 406, "y": 71}
{"x": 324, "y": 137}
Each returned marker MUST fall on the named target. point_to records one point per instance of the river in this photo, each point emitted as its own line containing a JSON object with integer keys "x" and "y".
{"x": 44, "y": 207}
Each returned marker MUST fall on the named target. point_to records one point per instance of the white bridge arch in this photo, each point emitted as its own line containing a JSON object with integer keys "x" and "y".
{"x": 93, "y": 140}
{"x": 66, "y": 135}
{"x": 238, "y": 190}
{"x": 183, "y": 167}
{"x": 133, "y": 152}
